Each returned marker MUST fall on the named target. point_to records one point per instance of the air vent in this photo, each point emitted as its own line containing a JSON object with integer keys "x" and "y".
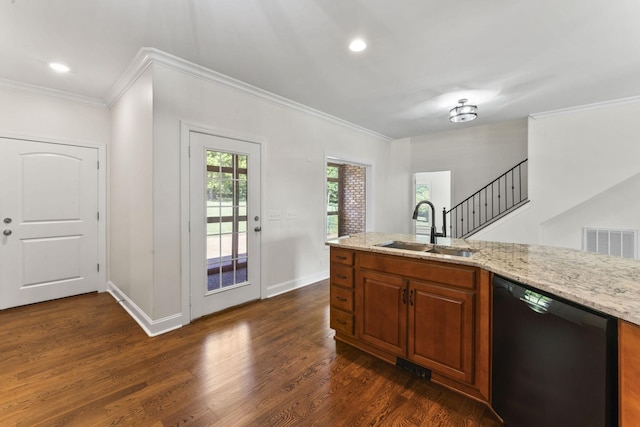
{"x": 413, "y": 368}
{"x": 622, "y": 243}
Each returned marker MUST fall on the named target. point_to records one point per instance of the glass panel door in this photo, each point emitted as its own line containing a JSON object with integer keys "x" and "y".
{"x": 226, "y": 220}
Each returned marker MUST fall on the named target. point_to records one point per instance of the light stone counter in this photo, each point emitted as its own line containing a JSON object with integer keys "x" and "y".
{"x": 604, "y": 283}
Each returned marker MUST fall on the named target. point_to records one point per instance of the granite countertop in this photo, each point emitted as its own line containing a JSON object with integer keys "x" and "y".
{"x": 607, "y": 284}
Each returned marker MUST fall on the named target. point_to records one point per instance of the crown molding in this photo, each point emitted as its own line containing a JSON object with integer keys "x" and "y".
{"x": 586, "y": 107}
{"x": 40, "y": 90}
{"x": 147, "y": 56}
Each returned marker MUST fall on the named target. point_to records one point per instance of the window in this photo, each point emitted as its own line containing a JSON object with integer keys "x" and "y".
{"x": 422, "y": 193}
{"x": 333, "y": 199}
{"x": 226, "y": 219}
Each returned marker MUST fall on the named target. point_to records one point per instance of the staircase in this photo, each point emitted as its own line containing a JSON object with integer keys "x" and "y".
{"x": 493, "y": 201}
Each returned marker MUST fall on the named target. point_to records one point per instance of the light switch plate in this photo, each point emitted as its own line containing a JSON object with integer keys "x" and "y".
{"x": 274, "y": 215}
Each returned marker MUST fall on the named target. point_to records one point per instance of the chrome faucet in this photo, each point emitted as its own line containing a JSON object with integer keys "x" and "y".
{"x": 433, "y": 218}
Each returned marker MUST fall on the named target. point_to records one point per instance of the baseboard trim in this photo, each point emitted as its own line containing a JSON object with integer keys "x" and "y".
{"x": 300, "y": 282}
{"x": 151, "y": 327}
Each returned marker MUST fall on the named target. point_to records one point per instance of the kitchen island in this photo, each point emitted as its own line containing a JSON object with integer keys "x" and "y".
{"x": 368, "y": 277}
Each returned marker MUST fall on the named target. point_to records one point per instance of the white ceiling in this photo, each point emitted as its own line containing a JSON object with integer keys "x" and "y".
{"x": 511, "y": 57}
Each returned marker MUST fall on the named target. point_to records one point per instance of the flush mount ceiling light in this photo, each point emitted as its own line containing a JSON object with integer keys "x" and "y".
{"x": 463, "y": 113}
{"x": 56, "y": 66}
{"x": 357, "y": 45}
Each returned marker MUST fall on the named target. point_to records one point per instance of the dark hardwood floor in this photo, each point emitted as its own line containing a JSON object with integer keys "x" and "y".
{"x": 83, "y": 361}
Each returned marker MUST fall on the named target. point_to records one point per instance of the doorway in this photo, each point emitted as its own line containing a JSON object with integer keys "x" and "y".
{"x": 435, "y": 187}
{"x": 224, "y": 222}
{"x": 49, "y": 208}
{"x": 346, "y": 198}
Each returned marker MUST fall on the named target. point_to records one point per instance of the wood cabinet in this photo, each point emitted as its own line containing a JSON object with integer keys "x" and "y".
{"x": 382, "y": 313}
{"x": 441, "y": 329}
{"x": 341, "y": 278}
{"x": 629, "y": 374}
{"x": 434, "y": 314}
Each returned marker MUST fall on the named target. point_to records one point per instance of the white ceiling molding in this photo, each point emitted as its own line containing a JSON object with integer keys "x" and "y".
{"x": 26, "y": 87}
{"x": 587, "y": 107}
{"x": 147, "y": 56}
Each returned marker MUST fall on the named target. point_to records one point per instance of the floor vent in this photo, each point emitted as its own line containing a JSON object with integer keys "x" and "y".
{"x": 622, "y": 243}
{"x": 413, "y": 368}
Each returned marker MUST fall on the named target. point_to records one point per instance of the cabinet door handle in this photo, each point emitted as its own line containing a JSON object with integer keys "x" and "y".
{"x": 404, "y": 296}
{"x": 343, "y": 299}
{"x": 342, "y": 322}
{"x": 341, "y": 276}
{"x": 341, "y": 257}
{"x": 411, "y": 297}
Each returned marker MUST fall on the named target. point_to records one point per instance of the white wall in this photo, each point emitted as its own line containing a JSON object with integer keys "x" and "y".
{"x": 617, "y": 207}
{"x": 583, "y": 168}
{"x": 296, "y": 142}
{"x": 394, "y": 194}
{"x": 32, "y": 114}
{"x": 131, "y": 217}
{"x": 474, "y": 155}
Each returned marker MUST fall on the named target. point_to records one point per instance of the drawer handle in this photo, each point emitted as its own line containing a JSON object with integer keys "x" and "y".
{"x": 342, "y": 322}
{"x": 341, "y": 257}
{"x": 341, "y": 276}
{"x": 343, "y": 299}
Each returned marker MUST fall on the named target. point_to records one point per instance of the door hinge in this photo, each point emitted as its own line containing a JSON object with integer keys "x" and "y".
{"x": 189, "y": 147}
{"x": 98, "y": 164}
{"x": 98, "y": 216}
{"x": 189, "y": 226}
{"x": 98, "y": 267}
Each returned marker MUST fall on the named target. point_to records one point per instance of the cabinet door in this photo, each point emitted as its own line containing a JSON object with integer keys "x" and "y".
{"x": 381, "y": 311}
{"x": 629, "y": 372}
{"x": 441, "y": 329}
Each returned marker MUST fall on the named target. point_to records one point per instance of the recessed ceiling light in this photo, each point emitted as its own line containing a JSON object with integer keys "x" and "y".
{"x": 56, "y": 66}
{"x": 357, "y": 45}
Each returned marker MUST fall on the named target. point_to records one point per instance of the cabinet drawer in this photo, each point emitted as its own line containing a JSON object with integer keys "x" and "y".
{"x": 341, "y": 256}
{"x": 341, "y": 298}
{"x": 440, "y": 272}
{"x": 341, "y": 321}
{"x": 341, "y": 275}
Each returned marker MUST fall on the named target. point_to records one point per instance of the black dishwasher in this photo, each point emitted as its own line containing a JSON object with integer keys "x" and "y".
{"x": 554, "y": 363}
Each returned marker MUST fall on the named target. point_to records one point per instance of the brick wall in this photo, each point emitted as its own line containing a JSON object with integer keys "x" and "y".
{"x": 353, "y": 184}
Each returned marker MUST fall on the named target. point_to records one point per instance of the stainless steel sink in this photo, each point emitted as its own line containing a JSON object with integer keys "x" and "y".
{"x": 423, "y": 247}
{"x": 452, "y": 251}
{"x": 410, "y": 246}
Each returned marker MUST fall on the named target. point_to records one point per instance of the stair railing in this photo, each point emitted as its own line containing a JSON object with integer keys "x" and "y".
{"x": 494, "y": 200}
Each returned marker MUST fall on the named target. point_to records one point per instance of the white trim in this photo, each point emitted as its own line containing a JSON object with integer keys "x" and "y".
{"x": 587, "y": 107}
{"x": 151, "y": 327}
{"x": 40, "y": 90}
{"x": 300, "y": 282}
{"x": 148, "y": 56}
{"x": 186, "y": 128}
{"x": 102, "y": 193}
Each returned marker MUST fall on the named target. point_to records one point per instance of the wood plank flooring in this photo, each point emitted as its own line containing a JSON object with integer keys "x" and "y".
{"x": 82, "y": 361}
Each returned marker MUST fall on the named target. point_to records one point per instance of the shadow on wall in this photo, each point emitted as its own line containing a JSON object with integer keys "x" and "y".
{"x": 617, "y": 207}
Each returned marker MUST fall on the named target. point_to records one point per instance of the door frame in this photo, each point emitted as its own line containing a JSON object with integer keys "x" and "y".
{"x": 101, "y": 286}
{"x": 332, "y": 157}
{"x": 186, "y": 128}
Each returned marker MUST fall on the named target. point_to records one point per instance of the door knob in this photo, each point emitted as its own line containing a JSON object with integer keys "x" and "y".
{"x": 7, "y": 220}
{"x": 7, "y": 232}
{"x": 257, "y": 229}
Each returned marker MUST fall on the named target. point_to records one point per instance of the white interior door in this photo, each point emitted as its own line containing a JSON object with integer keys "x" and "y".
{"x": 224, "y": 222}
{"x": 48, "y": 218}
